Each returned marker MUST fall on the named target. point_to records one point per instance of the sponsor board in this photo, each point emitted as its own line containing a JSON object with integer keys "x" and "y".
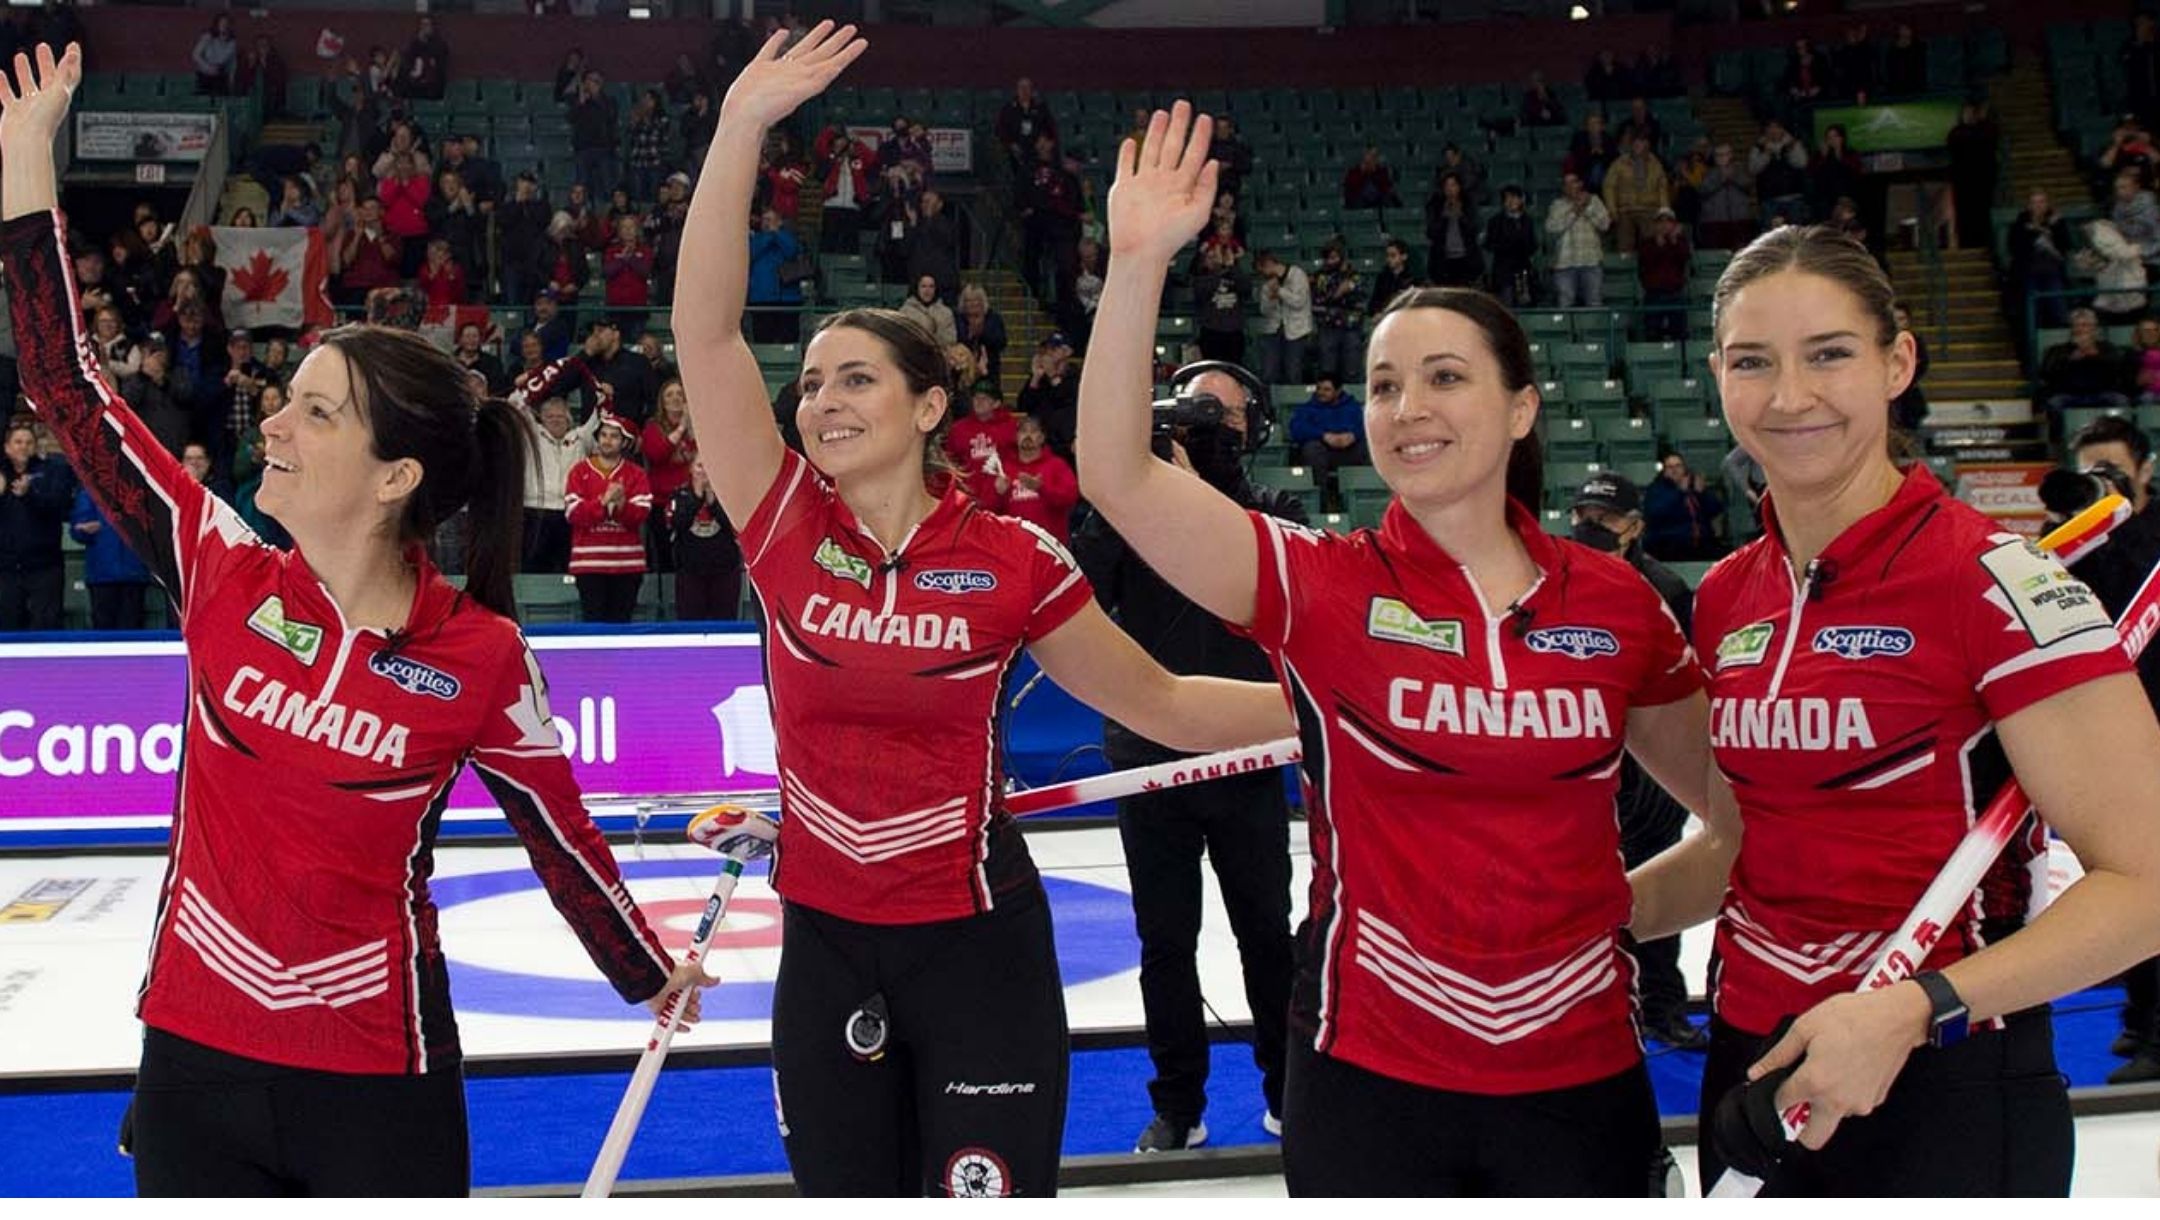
{"x": 90, "y": 731}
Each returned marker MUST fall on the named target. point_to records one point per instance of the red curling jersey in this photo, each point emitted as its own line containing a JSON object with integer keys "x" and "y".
{"x": 294, "y": 924}
{"x": 1460, "y": 771}
{"x": 884, "y": 670}
{"x": 1853, "y": 713}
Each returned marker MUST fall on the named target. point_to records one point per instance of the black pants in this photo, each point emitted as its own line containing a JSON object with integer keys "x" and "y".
{"x": 118, "y": 607}
{"x": 837, "y": 229}
{"x": 207, "y": 1124}
{"x": 1650, "y": 822}
{"x": 708, "y": 595}
{"x": 610, "y": 598}
{"x": 969, "y": 1098}
{"x": 547, "y": 541}
{"x": 1243, "y": 824}
{"x": 1351, "y": 1132}
{"x": 2141, "y": 993}
{"x": 30, "y": 601}
{"x": 1987, "y": 1117}
{"x": 1223, "y": 345}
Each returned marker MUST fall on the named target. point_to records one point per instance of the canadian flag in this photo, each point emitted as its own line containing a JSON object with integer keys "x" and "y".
{"x": 275, "y": 277}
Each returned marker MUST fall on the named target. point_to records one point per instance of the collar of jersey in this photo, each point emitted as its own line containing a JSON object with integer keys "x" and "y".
{"x": 434, "y": 598}
{"x": 951, "y": 500}
{"x": 1400, "y": 532}
{"x": 1920, "y": 489}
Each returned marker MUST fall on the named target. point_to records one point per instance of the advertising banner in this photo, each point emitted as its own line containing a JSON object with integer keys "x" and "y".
{"x": 2006, "y": 491}
{"x": 1900, "y": 127}
{"x": 105, "y": 135}
{"x": 952, "y": 149}
{"x": 90, "y": 731}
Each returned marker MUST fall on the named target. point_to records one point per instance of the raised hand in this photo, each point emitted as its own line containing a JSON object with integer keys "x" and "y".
{"x": 773, "y": 84}
{"x": 32, "y": 107}
{"x": 1165, "y": 187}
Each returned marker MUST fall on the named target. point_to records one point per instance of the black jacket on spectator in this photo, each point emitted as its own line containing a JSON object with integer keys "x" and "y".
{"x": 636, "y": 389}
{"x": 1056, "y": 406}
{"x": 1856, "y": 72}
{"x": 717, "y": 549}
{"x": 2117, "y": 569}
{"x": 1905, "y": 70}
{"x": 1017, "y": 125}
{"x": 466, "y": 231}
{"x": 1512, "y": 241}
{"x": 521, "y": 237}
{"x": 160, "y": 409}
{"x": 933, "y": 249}
{"x": 1183, "y": 638}
{"x": 31, "y": 523}
{"x": 2105, "y": 372}
{"x": 2027, "y": 250}
{"x": 1235, "y": 157}
{"x": 1616, "y": 84}
{"x": 593, "y": 124}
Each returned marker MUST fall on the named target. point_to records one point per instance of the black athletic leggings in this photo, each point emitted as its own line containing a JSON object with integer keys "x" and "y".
{"x": 1351, "y": 1132}
{"x": 969, "y": 1098}
{"x": 206, "y": 1124}
{"x": 1987, "y": 1117}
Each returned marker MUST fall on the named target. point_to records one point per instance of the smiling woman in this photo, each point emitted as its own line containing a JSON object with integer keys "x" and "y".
{"x": 1465, "y": 686}
{"x": 895, "y": 606}
{"x": 299, "y": 1037}
{"x": 1882, "y": 659}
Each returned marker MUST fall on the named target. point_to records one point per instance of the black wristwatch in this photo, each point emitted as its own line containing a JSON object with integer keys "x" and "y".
{"x": 1948, "y": 1017}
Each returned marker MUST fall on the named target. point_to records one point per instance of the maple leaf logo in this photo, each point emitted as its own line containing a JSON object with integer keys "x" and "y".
{"x": 260, "y": 279}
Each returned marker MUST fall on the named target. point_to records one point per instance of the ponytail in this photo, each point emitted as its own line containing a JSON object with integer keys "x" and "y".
{"x": 503, "y": 449}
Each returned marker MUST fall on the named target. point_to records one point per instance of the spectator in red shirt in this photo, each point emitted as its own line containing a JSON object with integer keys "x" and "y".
{"x": 405, "y": 192}
{"x": 670, "y": 450}
{"x": 1039, "y": 486}
{"x": 984, "y": 445}
{"x": 1663, "y": 262}
{"x": 371, "y": 256}
{"x": 627, "y": 270}
{"x": 784, "y": 176}
{"x": 566, "y": 258}
{"x": 1370, "y": 183}
{"x": 442, "y": 280}
{"x": 607, "y": 500}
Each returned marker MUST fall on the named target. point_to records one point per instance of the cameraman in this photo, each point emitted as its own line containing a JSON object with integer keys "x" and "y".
{"x": 1242, "y": 822}
{"x": 1607, "y": 516}
{"x": 2112, "y": 454}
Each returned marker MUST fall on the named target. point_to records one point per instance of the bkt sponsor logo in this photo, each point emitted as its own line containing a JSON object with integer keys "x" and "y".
{"x": 414, "y": 677}
{"x": 1860, "y": 643}
{"x": 955, "y": 580}
{"x": 1581, "y": 643}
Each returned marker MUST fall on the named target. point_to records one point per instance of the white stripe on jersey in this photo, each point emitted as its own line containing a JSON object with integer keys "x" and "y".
{"x": 870, "y": 842}
{"x": 1809, "y": 963}
{"x": 2083, "y": 643}
{"x": 335, "y": 981}
{"x": 1494, "y": 1013}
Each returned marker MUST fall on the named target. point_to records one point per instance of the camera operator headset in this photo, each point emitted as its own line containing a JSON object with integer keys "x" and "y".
{"x": 1194, "y": 417}
{"x": 2113, "y": 456}
{"x": 1241, "y": 822}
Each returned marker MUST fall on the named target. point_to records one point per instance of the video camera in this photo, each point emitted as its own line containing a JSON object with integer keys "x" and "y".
{"x": 1184, "y": 413}
{"x": 2066, "y": 493}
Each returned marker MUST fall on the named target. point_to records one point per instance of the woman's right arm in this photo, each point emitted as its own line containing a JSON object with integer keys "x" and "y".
{"x": 728, "y": 405}
{"x": 1194, "y": 536}
{"x": 167, "y": 518}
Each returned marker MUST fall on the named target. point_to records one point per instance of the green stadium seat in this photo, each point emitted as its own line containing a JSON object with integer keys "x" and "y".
{"x": 546, "y": 598}
{"x": 1583, "y": 360}
{"x": 1588, "y": 392}
{"x": 1683, "y": 430}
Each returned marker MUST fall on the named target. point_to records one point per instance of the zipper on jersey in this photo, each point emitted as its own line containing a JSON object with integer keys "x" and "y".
{"x": 1493, "y": 622}
{"x": 1800, "y": 587}
{"x": 891, "y": 566}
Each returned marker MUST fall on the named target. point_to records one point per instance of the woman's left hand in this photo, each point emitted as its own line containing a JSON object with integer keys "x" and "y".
{"x": 1855, "y": 1044}
{"x": 686, "y": 974}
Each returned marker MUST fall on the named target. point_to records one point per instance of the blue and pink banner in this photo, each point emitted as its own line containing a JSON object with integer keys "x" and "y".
{"x": 90, "y": 729}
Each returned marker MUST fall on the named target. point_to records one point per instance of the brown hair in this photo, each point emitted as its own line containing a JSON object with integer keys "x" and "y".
{"x": 922, "y": 365}
{"x": 1817, "y": 250}
{"x": 472, "y": 451}
{"x": 1510, "y": 346}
